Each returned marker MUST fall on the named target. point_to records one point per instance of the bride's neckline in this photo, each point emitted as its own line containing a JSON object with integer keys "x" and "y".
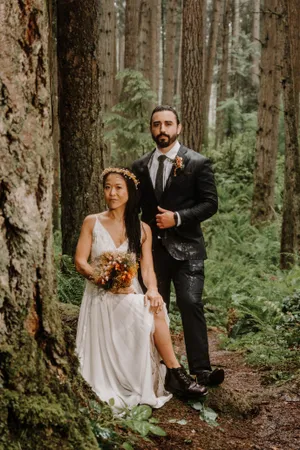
{"x": 105, "y": 229}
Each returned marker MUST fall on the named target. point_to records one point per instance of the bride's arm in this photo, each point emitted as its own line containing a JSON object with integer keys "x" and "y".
{"x": 83, "y": 248}
{"x": 148, "y": 274}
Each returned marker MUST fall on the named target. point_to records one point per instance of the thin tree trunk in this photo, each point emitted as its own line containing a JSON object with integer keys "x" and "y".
{"x": 268, "y": 118}
{"x": 131, "y": 34}
{"x": 179, "y": 57}
{"x": 52, "y": 4}
{"x": 169, "y": 60}
{"x": 256, "y": 43}
{"x": 192, "y": 73}
{"x": 38, "y": 405}
{"x": 108, "y": 63}
{"x": 223, "y": 74}
{"x": 80, "y": 110}
{"x": 108, "y": 54}
{"x": 210, "y": 61}
{"x": 235, "y": 46}
{"x": 290, "y": 220}
{"x": 144, "y": 42}
{"x": 155, "y": 45}
{"x": 294, "y": 8}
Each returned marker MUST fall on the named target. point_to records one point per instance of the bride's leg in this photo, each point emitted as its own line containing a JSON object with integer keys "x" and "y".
{"x": 162, "y": 340}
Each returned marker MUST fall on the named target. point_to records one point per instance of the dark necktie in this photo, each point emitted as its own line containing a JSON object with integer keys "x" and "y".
{"x": 159, "y": 181}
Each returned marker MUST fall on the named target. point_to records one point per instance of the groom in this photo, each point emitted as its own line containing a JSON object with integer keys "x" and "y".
{"x": 178, "y": 192}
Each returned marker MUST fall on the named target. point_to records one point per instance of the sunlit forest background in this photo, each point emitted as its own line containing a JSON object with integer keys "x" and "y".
{"x": 78, "y": 82}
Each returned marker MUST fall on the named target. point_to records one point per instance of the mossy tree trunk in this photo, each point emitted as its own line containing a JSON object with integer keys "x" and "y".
{"x": 38, "y": 409}
{"x": 82, "y": 151}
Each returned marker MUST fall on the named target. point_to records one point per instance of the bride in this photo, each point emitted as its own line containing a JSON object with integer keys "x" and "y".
{"x": 123, "y": 335}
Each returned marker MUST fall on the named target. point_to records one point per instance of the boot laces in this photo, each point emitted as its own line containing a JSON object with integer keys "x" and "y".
{"x": 184, "y": 376}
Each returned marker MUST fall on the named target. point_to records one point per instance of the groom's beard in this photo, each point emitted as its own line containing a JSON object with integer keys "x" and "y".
{"x": 164, "y": 140}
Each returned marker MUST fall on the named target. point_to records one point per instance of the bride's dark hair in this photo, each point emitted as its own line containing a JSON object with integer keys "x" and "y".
{"x": 131, "y": 215}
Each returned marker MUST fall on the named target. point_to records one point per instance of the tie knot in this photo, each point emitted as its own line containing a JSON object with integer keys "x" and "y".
{"x": 161, "y": 159}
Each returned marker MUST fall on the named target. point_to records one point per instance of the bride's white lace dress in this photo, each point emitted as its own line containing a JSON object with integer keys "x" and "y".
{"x": 114, "y": 340}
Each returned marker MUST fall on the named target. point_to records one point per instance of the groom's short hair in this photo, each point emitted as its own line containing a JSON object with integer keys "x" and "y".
{"x": 160, "y": 108}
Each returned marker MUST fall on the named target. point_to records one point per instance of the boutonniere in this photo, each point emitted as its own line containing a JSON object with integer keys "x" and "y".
{"x": 178, "y": 165}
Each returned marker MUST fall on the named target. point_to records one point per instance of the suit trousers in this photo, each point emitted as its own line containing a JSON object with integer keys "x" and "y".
{"x": 188, "y": 280}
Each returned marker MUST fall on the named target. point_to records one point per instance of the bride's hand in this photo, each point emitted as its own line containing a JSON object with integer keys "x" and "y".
{"x": 155, "y": 299}
{"x": 127, "y": 290}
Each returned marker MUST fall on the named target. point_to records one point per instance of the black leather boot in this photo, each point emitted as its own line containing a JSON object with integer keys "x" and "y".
{"x": 211, "y": 378}
{"x": 179, "y": 383}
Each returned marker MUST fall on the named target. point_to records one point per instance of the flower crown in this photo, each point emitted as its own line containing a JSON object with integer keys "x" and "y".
{"x": 125, "y": 172}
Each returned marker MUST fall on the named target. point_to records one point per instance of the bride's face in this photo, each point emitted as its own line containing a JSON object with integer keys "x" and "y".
{"x": 115, "y": 191}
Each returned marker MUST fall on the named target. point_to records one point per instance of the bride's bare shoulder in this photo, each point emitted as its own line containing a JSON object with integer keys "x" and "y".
{"x": 89, "y": 221}
{"x": 145, "y": 231}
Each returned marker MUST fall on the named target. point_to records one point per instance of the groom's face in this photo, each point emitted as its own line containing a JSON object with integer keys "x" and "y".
{"x": 164, "y": 129}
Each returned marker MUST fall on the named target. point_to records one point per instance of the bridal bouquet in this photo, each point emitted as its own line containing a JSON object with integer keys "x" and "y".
{"x": 114, "y": 270}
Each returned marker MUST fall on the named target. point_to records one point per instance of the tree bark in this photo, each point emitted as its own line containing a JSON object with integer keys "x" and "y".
{"x": 268, "y": 118}
{"x": 290, "y": 232}
{"x": 192, "y": 72}
{"x": 179, "y": 58}
{"x": 38, "y": 407}
{"x": 52, "y": 4}
{"x": 234, "y": 82}
{"x": 145, "y": 42}
{"x": 108, "y": 54}
{"x": 131, "y": 33}
{"x": 294, "y": 8}
{"x": 256, "y": 43}
{"x": 223, "y": 74}
{"x": 82, "y": 149}
{"x": 210, "y": 61}
{"x": 155, "y": 45}
{"x": 169, "y": 59}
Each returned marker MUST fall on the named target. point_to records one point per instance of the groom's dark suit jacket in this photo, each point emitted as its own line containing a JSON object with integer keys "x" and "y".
{"x": 192, "y": 193}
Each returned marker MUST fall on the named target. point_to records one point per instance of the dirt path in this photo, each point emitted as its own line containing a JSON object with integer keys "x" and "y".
{"x": 253, "y": 416}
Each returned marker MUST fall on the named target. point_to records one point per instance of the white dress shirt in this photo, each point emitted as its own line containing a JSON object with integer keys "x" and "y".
{"x": 168, "y": 165}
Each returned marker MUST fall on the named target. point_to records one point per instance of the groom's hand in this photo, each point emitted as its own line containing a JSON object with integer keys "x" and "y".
{"x": 165, "y": 219}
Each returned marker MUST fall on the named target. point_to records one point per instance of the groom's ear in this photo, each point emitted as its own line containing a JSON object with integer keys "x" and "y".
{"x": 179, "y": 129}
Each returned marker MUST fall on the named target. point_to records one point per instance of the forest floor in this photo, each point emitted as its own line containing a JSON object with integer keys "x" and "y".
{"x": 252, "y": 414}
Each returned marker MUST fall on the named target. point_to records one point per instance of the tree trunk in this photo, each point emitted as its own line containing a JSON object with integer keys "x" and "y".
{"x": 82, "y": 149}
{"x": 294, "y": 8}
{"x": 155, "y": 45}
{"x": 145, "y": 42}
{"x": 108, "y": 54}
{"x": 179, "y": 58}
{"x": 169, "y": 59}
{"x": 52, "y": 4}
{"x": 37, "y": 403}
{"x": 290, "y": 220}
{"x": 210, "y": 61}
{"x": 192, "y": 72}
{"x": 256, "y": 43}
{"x": 131, "y": 33}
{"x": 223, "y": 74}
{"x": 268, "y": 117}
{"x": 234, "y": 82}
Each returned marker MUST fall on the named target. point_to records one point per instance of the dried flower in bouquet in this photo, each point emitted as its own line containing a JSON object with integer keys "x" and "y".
{"x": 114, "y": 270}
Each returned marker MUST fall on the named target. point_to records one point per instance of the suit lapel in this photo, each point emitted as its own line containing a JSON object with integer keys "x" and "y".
{"x": 145, "y": 170}
{"x": 181, "y": 153}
